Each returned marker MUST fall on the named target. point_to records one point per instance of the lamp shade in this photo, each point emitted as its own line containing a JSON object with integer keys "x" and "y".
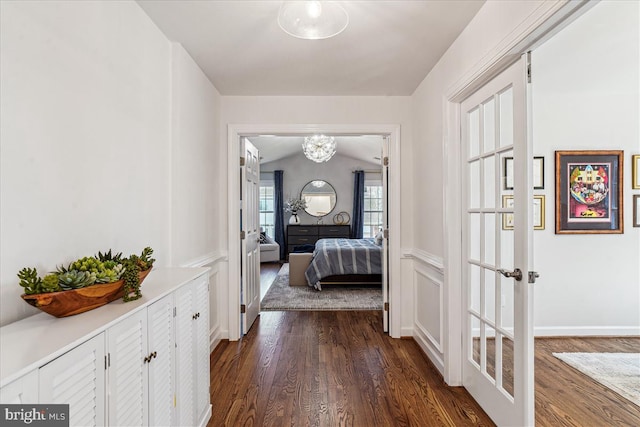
{"x": 312, "y": 19}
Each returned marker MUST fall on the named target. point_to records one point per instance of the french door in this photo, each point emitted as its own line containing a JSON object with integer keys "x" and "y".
{"x": 497, "y": 234}
{"x": 250, "y": 270}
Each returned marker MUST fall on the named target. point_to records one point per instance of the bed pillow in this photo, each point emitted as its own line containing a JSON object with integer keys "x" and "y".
{"x": 379, "y": 238}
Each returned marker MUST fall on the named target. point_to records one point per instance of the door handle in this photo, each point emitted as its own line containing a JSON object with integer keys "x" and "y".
{"x": 516, "y": 274}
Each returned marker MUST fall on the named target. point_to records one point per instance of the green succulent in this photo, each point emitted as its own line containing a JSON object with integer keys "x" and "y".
{"x": 74, "y": 279}
{"x": 30, "y": 280}
{"x": 146, "y": 262}
{"x": 108, "y": 256}
{"x": 89, "y": 264}
{"x": 131, "y": 280}
{"x": 109, "y": 275}
{"x": 50, "y": 283}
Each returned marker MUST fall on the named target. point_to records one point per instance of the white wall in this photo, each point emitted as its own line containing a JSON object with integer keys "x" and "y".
{"x": 298, "y": 171}
{"x": 194, "y": 149}
{"x": 89, "y": 161}
{"x": 85, "y": 136}
{"x": 586, "y": 97}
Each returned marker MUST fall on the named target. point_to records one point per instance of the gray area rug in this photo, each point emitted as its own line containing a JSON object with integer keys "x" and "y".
{"x": 282, "y": 297}
{"x": 618, "y": 371}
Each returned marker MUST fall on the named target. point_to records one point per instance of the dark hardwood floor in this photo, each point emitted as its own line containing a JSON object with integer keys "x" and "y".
{"x": 566, "y": 397}
{"x": 268, "y": 273}
{"x": 331, "y": 369}
{"x": 338, "y": 368}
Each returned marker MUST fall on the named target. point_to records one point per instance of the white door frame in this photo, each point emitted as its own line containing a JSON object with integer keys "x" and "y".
{"x": 547, "y": 20}
{"x": 235, "y": 131}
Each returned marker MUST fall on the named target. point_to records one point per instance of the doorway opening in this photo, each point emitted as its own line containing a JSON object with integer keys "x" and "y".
{"x": 387, "y": 139}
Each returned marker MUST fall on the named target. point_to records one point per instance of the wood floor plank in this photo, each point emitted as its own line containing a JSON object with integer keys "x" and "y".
{"x": 331, "y": 369}
{"x": 340, "y": 369}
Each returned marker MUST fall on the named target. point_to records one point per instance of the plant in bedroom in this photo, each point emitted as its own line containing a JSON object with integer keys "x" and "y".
{"x": 294, "y": 205}
{"x": 86, "y": 283}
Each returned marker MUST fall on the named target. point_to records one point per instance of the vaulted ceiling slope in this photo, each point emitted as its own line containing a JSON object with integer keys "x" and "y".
{"x": 387, "y": 49}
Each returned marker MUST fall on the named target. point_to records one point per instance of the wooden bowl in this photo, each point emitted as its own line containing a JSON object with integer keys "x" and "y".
{"x": 76, "y": 301}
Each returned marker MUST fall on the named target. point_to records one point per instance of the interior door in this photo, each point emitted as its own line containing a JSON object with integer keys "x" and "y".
{"x": 385, "y": 241}
{"x": 497, "y": 233}
{"x": 250, "y": 288}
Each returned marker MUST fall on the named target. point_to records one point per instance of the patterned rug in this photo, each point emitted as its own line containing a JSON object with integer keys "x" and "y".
{"x": 282, "y": 297}
{"x": 618, "y": 371}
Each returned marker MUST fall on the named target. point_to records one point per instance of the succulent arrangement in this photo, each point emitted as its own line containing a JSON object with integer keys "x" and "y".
{"x": 101, "y": 268}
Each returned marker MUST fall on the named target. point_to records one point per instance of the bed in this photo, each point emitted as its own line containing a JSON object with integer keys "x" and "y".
{"x": 345, "y": 261}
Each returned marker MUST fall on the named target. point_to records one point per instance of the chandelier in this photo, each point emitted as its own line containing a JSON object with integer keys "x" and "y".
{"x": 312, "y": 19}
{"x": 319, "y": 148}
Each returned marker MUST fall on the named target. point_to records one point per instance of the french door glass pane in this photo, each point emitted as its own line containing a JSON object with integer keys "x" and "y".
{"x": 489, "y": 122}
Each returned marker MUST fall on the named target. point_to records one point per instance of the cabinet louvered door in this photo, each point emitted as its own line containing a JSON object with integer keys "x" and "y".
{"x": 77, "y": 378}
{"x": 202, "y": 346}
{"x": 161, "y": 374}
{"x": 127, "y": 372}
{"x": 185, "y": 359}
{"x": 23, "y": 390}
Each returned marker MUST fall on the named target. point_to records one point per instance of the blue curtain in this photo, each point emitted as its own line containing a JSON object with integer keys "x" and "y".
{"x": 358, "y": 205}
{"x": 278, "y": 211}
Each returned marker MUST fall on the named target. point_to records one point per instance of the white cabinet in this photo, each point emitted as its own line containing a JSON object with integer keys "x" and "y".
{"x": 192, "y": 353}
{"x": 127, "y": 377}
{"x": 77, "y": 378}
{"x": 22, "y": 390}
{"x": 140, "y": 362}
{"x": 161, "y": 364}
{"x": 145, "y": 362}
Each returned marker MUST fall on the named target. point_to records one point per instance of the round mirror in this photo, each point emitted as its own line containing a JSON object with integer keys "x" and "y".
{"x": 320, "y": 197}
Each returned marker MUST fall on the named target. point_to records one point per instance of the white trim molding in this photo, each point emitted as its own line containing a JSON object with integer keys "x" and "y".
{"x": 586, "y": 331}
{"x": 433, "y": 261}
{"x": 206, "y": 260}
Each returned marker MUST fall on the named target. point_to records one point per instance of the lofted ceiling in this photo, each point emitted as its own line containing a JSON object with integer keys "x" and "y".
{"x": 366, "y": 148}
{"x": 388, "y": 47}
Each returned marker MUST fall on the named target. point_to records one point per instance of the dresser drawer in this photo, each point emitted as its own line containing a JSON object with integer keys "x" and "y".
{"x": 302, "y": 240}
{"x": 303, "y": 230}
{"x": 337, "y": 231}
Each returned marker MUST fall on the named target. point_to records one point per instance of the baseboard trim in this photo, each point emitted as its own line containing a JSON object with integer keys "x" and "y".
{"x": 429, "y": 350}
{"x": 215, "y": 336}
{"x": 584, "y": 331}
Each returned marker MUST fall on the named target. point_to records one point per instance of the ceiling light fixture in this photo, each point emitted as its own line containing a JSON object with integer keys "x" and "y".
{"x": 312, "y": 19}
{"x": 319, "y": 148}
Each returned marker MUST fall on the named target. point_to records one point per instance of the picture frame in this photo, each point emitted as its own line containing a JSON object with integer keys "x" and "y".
{"x": 635, "y": 171}
{"x": 538, "y": 173}
{"x": 507, "y": 218}
{"x": 636, "y": 210}
{"x": 538, "y": 212}
{"x": 589, "y": 192}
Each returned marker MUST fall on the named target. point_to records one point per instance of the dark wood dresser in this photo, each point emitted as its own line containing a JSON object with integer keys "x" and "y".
{"x": 310, "y": 234}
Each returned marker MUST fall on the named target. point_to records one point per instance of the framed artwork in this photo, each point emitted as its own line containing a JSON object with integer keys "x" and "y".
{"x": 636, "y": 210}
{"x": 538, "y": 212}
{"x": 507, "y": 218}
{"x": 635, "y": 171}
{"x": 538, "y": 173}
{"x": 589, "y": 192}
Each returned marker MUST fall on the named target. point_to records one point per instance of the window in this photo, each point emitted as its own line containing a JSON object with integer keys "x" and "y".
{"x": 267, "y": 218}
{"x": 372, "y": 208}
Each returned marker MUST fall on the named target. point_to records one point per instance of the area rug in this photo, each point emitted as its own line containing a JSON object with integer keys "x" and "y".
{"x": 618, "y": 371}
{"x": 282, "y": 297}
